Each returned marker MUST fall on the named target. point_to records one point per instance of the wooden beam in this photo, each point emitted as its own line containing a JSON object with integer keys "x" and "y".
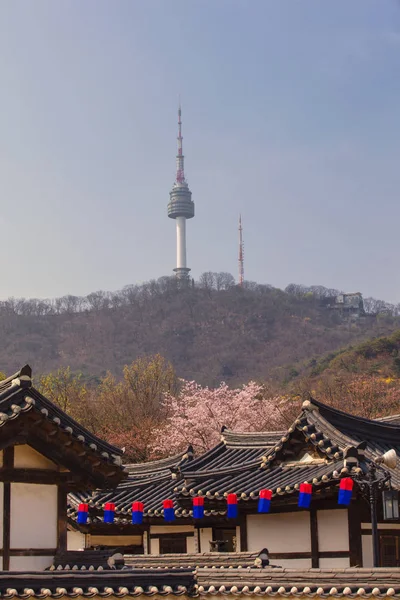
{"x": 314, "y": 538}
{"x": 355, "y": 543}
{"x": 29, "y": 552}
{"x": 179, "y": 535}
{"x": 44, "y": 476}
{"x": 8, "y": 462}
{"x": 243, "y": 533}
{"x": 62, "y": 519}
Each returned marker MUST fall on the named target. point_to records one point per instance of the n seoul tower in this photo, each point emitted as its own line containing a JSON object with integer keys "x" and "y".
{"x": 180, "y": 207}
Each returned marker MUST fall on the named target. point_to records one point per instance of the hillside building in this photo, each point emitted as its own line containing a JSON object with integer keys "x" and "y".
{"x": 346, "y": 304}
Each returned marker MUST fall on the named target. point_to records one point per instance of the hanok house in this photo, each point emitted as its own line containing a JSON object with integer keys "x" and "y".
{"x": 322, "y": 447}
{"x": 44, "y": 456}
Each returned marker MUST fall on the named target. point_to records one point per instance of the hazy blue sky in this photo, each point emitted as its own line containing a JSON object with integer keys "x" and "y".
{"x": 291, "y": 115}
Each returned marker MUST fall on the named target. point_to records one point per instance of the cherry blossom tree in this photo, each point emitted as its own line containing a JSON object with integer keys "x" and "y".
{"x": 196, "y": 415}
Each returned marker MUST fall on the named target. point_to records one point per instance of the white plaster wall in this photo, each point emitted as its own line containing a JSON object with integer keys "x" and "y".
{"x": 333, "y": 530}
{"x": 26, "y": 457}
{"x": 75, "y": 540}
{"x": 334, "y": 563}
{"x": 205, "y": 539}
{"x": 170, "y": 529}
{"x": 33, "y": 516}
{"x": 367, "y": 554}
{"x": 282, "y": 532}
{"x": 30, "y": 563}
{"x": 154, "y": 546}
{"x": 191, "y": 545}
{"x": 116, "y": 540}
{"x": 292, "y": 563}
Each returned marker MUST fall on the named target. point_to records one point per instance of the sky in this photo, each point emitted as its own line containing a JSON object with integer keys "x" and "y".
{"x": 291, "y": 117}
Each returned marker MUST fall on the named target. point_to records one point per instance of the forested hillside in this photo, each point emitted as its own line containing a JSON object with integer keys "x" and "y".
{"x": 211, "y": 331}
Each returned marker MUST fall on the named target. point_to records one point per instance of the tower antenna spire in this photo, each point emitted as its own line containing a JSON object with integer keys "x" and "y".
{"x": 241, "y": 253}
{"x": 180, "y": 206}
{"x": 180, "y": 169}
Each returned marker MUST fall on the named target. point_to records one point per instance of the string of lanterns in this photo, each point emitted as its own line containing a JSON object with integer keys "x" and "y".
{"x": 264, "y": 504}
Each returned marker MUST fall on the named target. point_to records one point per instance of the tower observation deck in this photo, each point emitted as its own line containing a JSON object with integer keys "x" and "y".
{"x": 180, "y": 207}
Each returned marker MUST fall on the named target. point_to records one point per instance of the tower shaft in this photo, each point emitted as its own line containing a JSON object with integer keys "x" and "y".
{"x": 180, "y": 206}
{"x": 181, "y": 243}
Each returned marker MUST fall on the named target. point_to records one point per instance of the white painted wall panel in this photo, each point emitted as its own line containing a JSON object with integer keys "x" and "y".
{"x": 26, "y": 457}
{"x": 75, "y": 540}
{"x": 282, "y": 532}
{"x": 237, "y": 538}
{"x": 205, "y": 539}
{"x": 367, "y": 555}
{"x": 190, "y": 545}
{"x": 334, "y": 563}
{"x": 154, "y": 546}
{"x": 33, "y": 515}
{"x": 30, "y": 563}
{"x": 333, "y": 530}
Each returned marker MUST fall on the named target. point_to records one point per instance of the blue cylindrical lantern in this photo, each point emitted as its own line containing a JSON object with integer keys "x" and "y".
{"x": 345, "y": 491}
{"x": 232, "y": 506}
{"x": 305, "y": 495}
{"x": 264, "y": 501}
{"x": 137, "y": 513}
{"x": 109, "y": 512}
{"x": 198, "y": 507}
{"x": 83, "y": 512}
{"x": 169, "y": 512}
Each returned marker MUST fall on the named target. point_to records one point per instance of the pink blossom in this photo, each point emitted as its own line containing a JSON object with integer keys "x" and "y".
{"x": 198, "y": 413}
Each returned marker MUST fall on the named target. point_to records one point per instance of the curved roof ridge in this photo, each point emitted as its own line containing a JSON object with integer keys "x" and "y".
{"x": 159, "y": 463}
{"x": 25, "y": 372}
{"x": 248, "y": 439}
{"x": 325, "y": 410}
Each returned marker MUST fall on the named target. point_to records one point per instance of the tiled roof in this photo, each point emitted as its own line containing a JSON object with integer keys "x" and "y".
{"x": 212, "y": 579}
{"x": 19, "y": 399}
{"x": 311, "y": 583}
{"x": 150, "y": 483}
{"x": 244, "y": 463}
{"x": 77, "y": 584}
{"x": 192, "y": 561}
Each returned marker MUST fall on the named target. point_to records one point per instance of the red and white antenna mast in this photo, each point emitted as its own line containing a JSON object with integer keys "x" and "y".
{"x": 241, "y": 253}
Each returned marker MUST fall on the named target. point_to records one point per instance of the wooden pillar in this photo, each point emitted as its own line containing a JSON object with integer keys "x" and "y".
{"x": 314, "y": 539}
{"x": 355, "y": 541}
{"x": 8, "y": 463}
{"x": 243, "y": 533}
{"x": 62, "y": 518}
